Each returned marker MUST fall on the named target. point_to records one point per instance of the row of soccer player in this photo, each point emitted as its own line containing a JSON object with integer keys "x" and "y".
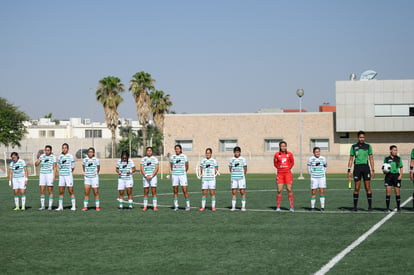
{"x": 360, "y": 156}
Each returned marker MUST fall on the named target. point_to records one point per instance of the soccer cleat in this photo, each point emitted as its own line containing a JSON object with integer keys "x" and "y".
{"x": 277, "y": 209}
{"x": 23, "y": 208}
{"x": 41, "y": 209}
{"x": 322, "y": 209}
{"x": 233, "y": 209}
{"x": 213, "y": 209}
{"x": 313, "y": 209}
{"x": 98, "y": 209}
{"x": 155, "y": 208}
{"x": 369, "y": 209}
{"x": 130, "y": 207}
{"x": 202, "y": 209}
{"x": 120, "y": 208}
{"x": 187, "y": 209}
{"x": 175, "y": 208}
{"x": 144, "y": 209}
{"x": 355, "y": 209}
{"x": 243, "y": 209}
{"x": 292, "y": 209}
{"x": 50, "y": 209}
{"x": 84, "y": 208}
{"x": 387, "y": 210}
{"x": 59, "y": 209}
{"x": 16, "y": 209}
{"x": 399, "y": 210}
{"x": 73, "y": 209}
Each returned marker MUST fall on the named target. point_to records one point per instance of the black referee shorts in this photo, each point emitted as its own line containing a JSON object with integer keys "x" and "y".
{"x": 362, "y": 171}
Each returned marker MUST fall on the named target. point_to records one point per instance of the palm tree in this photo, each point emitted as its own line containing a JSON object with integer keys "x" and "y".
{"x": 140, "y": 86}
{"x": 108, "y": 93}
{"x": 160, "y": 105}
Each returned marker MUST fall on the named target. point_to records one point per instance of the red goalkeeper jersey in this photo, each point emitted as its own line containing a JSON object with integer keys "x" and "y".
{"x": 283, "y": 161}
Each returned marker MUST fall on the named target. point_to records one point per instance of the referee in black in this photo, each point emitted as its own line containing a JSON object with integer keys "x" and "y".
{"x": 363, "y": 160}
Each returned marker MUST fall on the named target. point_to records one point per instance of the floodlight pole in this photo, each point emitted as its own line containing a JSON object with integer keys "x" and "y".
{"x": 300, "y": 93}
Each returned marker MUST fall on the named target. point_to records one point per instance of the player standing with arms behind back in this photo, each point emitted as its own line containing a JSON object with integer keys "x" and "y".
{"x": 238, "y": 170}
{"x": 208, "y": 171}
{"x": 91, "y": 167}
{"x": 48, "y": 171}
{"x": 66, "y": 163}
{"x": 283, "y": 162}
{"x": 363, "y": 160}
{"x": 149, "y": 170}
{"x": 393, "y": 177}
{"x": 179, "y": 168}
{"x": 18, "y": 179}
{"x": 125, "y": 167}
{"x": 317, "y": 169}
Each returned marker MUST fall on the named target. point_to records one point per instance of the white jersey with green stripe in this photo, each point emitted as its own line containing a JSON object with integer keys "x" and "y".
{"x": 91, "y": 167}
{"x": 209, "y": 169}
{"x": 66, "y": 163}
{"x": 18, "y": 168}
{"x": 125, "y": 167}
{"x": 149, "y": 164}
{"x": 178, "y": 164}
{"x": 317, "y": 167}
{"x": 47, "y": 163}
{"x": 237, "y": 167}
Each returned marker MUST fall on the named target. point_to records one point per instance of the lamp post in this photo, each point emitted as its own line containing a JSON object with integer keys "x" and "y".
{"x": 300, "y": 93}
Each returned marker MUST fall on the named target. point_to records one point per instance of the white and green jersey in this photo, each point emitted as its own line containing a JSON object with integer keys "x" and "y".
{"x": 18, "y": 168}
{"x": 47, "y": 163}
{"x": 91, "y": 167}
{"x": 237, "y": 167}
{"x": 125, "y": 167}
{"x": 178, "y": 164}
{"x": 149, "y": 164}
{"x": 317, "y": 167}
{"x": 209, "y": 169}
{"x": 66, "y": 163}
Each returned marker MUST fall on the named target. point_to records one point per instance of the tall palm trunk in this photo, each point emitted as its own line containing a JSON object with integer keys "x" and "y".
{"x": 143, "y": 105}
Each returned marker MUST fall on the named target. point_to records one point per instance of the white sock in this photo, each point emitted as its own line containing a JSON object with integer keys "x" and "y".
{"x": 244, "y": 203}
{"x": 187, "y": 202}
{"x": 50, "y": 202}
{"x": 322, "y": 199}
{"x": 61, "y": 203}
{"x": 145, "y": 202}
{"x": 97, "y": 203}
{"x": 233, "y": 203}
{"x": 313, "y": 201}
{"x": 176, "y": 202}
{"x": 85, "y": 203}
{"x": 23, "y": 201}
{"x": 154, "y": 201}
{"x": 42, "y": 201}
{"x": 203, "y": 202}
{"x": 73, "y": 200}
{"x": 130, "y": 203}
{"x": 213, "y": 202}
{"x": 16, "y": 201}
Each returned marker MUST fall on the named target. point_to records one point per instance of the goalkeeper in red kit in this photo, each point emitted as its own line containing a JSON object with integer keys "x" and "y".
{"x": 283, "y": 162}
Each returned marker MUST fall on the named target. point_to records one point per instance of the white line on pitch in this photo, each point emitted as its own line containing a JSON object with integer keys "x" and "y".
{"x": 356, "y": 243}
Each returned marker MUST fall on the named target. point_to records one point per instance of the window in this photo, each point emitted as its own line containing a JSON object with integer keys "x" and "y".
{"x": 93, "y": 133}
{"x": 42, "y": 133}
{"x": 321, "y": 143}
{"x": 394, "y": 110}
{"x": 272, "y": 145}
{"x": 187, "y": 145}
{"x": 227, "y": 145}
{"x": 51, "y": 133}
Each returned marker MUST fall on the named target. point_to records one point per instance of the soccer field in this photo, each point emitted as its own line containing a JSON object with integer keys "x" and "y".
{"x": 258, "y": 241}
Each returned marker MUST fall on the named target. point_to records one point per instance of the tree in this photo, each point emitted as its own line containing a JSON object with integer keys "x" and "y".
{"x": 108, "y": 93}
{"x": 140, "y": 86}
{"x": 12, "y": 129}
{"x": 160, "y": 105}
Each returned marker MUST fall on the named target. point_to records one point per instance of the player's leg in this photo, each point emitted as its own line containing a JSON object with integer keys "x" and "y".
{"x": 51, "y": 195}
{"x": 22, "y": 191}
{"x": 146, "y": 192}
{"x": 62, "y": 185}
{"x": 121, "y": 190}
{"x": 313, "y": 198}
{"x": 243, "y": 198}
{"x": 175, "y": 197}
{"x": 95, "y": 191}
{"x": 204, "y": 192}
{"x": 42, "y": 196}
{"x": 87, "y": 188}
{"x": 130, "y": 200}
{"x": 397, "y": 193}
{"x": 213, "y": 197}
{"x": 154, "y": 198}
{"x": 72, "y": 197}
{"x": 367, "y": 184}
{"x": 357, "y": 179}
{"x": 291, "y": 197}
{"x": 322, "y": 186}
{"x": 388, "y": 190}
{"x": 16, "y": 195}
{"x": 186, "y": 196}
{"x": 279, "y": 196}
{"x": 233, "y": 198}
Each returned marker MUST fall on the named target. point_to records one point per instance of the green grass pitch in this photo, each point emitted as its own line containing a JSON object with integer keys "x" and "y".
{"x": 258, "y": 241}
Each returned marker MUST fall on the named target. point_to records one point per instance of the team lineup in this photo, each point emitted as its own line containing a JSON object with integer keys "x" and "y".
{"x": 360, "y": 159}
